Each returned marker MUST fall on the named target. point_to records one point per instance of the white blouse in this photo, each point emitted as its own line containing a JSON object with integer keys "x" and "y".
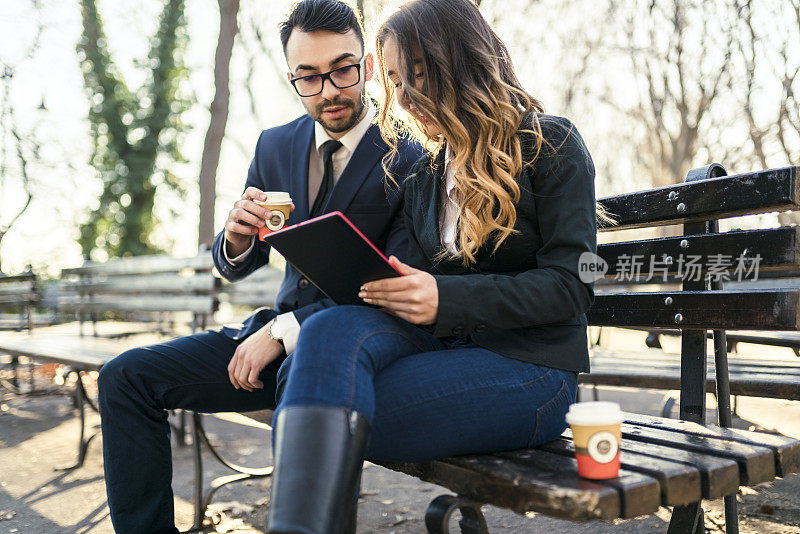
{"x": 450, "y": 209}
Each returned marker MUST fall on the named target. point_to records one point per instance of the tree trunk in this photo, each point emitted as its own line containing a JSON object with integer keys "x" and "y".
{"x": 228, "y": 10}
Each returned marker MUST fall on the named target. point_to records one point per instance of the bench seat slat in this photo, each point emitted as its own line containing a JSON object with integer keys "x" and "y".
{"x": 724, "y": 309}
{"x": 552, "y": 486}
{"x": 86, "y": 353}
{"x": 786, "y": 449}
{"x": 715, "y": 198}
{"x": 756, "y": 463}
{"x": 640, "y": 494}
{"x": 718, "y": 476}
{"x": 679, "y": 482}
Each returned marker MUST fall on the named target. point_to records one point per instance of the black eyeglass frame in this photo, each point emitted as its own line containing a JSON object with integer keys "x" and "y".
{"x": 327, "y": 76}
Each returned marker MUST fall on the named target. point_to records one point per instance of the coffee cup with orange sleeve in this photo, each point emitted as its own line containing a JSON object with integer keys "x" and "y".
{"x": 280, "y": 205}
{"x": 596, "y": 433}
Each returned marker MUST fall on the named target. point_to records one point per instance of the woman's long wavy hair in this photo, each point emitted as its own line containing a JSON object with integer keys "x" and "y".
{"x": 472, "y": 95}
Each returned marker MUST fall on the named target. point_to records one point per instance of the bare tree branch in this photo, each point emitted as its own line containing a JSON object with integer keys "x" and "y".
{"x": 212, "y": 146}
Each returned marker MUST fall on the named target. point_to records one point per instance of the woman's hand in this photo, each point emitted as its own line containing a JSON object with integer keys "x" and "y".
{"x": 413, "y": 296}
{"x": 250, "y": 358}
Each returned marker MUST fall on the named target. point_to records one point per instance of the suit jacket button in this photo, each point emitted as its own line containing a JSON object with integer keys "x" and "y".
{"x": 480, "y": 327}
{"x": 302, "y": 283}
{"x": 458, "y": 330}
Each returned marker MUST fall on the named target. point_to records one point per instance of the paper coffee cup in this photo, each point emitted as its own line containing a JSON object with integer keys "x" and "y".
{"x": 596, "y": 433}
{"x": 280, "y": 204}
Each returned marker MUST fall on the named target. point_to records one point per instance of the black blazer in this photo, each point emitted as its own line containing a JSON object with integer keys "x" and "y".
{"x": 526, "y": 300}
{"x": 281, "y": 164}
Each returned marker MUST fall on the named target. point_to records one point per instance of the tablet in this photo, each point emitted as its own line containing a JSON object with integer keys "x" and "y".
{"x": 333, "y": 254}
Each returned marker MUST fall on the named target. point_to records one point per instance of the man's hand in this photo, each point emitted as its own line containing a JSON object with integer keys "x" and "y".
{"x": 244, "y": 220}
{"x": 250, "y": 358}
{"x": 413, "y": 296}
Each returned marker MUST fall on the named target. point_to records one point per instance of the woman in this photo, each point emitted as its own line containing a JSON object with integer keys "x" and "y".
{"x": 475, "y": 349}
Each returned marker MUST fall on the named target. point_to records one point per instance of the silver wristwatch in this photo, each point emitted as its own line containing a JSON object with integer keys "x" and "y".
{"x": 271, "y": 333}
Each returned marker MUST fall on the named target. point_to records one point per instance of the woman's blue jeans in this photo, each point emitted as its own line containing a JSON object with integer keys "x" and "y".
{"x": 425, "y": 398}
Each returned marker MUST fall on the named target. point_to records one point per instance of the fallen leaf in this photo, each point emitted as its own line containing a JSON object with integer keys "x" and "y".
{"x": 232, "y": 507}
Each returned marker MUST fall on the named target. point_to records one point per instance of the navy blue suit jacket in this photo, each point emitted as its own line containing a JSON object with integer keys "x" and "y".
{"x": 281, "y": 164}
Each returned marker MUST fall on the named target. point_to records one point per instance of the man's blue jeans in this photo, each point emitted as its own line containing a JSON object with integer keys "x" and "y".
{"x": 425, "y": 398}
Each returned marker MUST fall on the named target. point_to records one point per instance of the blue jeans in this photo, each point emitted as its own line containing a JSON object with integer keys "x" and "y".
{"x": 425, "y": 398}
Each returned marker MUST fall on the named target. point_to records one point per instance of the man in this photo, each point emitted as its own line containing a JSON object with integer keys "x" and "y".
{"x": 328, "y": 160}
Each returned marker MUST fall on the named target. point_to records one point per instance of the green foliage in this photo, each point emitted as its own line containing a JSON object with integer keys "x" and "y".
{"x": 135, "y": 133}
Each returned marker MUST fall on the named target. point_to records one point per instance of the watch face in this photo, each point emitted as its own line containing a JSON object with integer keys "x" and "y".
{"x": 271, "y": 332}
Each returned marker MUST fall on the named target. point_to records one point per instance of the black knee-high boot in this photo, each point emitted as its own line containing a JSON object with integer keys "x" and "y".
{"x": 319, "y": 451}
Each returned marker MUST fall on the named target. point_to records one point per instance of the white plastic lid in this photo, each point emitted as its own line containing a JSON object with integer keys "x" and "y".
{"x": 275, "y": 197}
{"x": 594, "y": 413}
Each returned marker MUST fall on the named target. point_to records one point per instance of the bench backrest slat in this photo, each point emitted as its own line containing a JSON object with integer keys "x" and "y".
{"x": 155, "y": 283}
{"x": 144, "y": 265}
{"x": 258, "y": 289}
{"x": 714, "y": 198}
{"x": 771, "y": 249}
{"x": 148, "y": 284}
{"x": 726, "y": 309}
{"x": 17, "y": 288}
{"x": 149, "y": 303}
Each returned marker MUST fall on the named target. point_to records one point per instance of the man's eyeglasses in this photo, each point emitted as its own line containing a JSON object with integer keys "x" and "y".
{"x": 341, "y": 78}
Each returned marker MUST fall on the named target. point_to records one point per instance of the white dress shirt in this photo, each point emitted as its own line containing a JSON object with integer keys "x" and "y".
{"x": 450, "y": 210}
{"x": 286, "y": 326}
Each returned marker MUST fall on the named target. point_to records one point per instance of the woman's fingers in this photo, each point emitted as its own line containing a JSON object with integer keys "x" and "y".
{"x": 399, "y": 297}
{"x": 401, "y": 267}
{"x": 390, "y": 284}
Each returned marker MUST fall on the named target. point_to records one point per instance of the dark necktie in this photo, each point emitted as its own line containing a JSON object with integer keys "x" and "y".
{"x": 325, "y": 188}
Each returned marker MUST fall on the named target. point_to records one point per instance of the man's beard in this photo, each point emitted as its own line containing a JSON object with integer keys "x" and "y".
{"x": 341, "y": 125}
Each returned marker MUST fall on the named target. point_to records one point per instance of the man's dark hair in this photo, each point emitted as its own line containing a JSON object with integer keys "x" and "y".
{"x": 331, "y": 15}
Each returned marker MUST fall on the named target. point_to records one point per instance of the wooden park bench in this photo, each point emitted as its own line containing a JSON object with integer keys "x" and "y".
{"x": 18, "y": 297}
{"x": 665, "y": 462}
{"x": 121, "y": 294}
